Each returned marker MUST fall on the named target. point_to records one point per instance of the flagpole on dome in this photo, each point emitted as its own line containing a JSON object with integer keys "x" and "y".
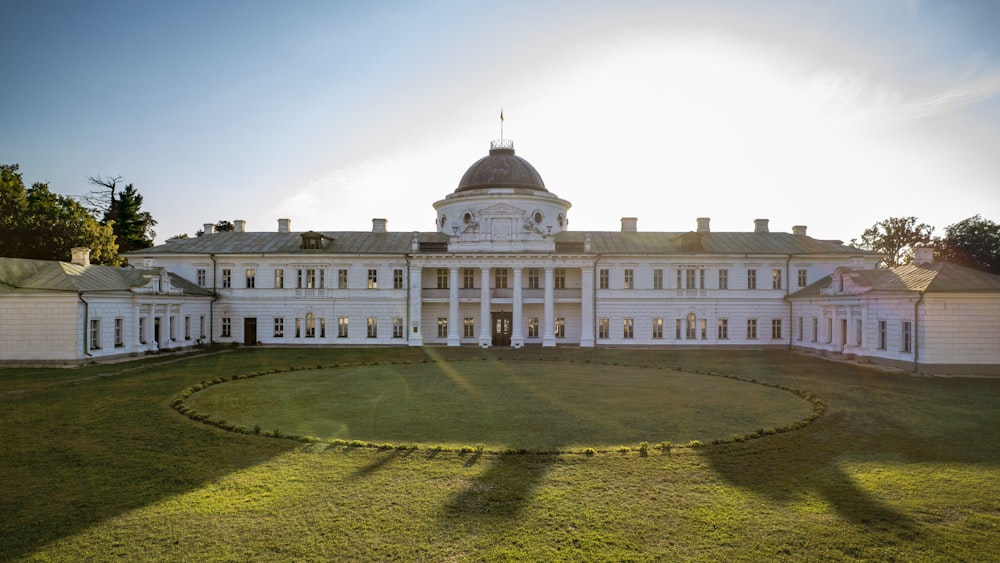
{"x": 501, "y": 126}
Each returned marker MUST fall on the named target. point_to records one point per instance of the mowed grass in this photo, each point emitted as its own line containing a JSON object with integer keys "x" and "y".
{"x": 502, "y": 405}
{"x": 96, "y": 465}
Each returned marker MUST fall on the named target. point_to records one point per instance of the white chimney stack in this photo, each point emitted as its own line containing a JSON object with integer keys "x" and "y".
{"x": 240, "y": 226}
{"x": 923, "y": 254}
{"x": 81, "y": 256}
{"x": 630, "y": 224}
{"x": 760, "y": 226}
{"x": 703, "y": 223}
{"x": 799, "y": 230}
{"x": 378, "y": 225}
{"x": 284, "y": 225}
{"x": 209, "y": 229}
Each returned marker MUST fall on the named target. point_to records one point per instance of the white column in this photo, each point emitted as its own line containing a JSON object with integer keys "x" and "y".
{"x": 549, "y": 322}
{"x": 485, "y": 332}
{"x": 516, "y": 336}
{"x": 416, "y": 297}
{"x": 587, "y": 307}
{"x": 454, "y": 338}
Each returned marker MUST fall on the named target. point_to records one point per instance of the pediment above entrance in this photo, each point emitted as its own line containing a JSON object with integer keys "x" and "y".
{"x": 502, "y": 209}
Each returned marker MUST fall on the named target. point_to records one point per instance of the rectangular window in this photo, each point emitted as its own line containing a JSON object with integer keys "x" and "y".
{"x": 95, "y": 334}
{"x": 372, "y": 279}
{"x": 605, "y": 277}
{"x": 560, "y": 278}
{"x": 776, "y": 329}
{"x": 603, "y": 328}
{"x": 657, "y": 279}
{"x": 628, "y": 328}
{"x": 342, "y": 278}
{"x": 907, "y": 337}
{"x": 322, "y": 327}
{"x": 251, "y": 278}
{"x": 701, "y": 278}
{"x": 298, "y": 328}
{"x": 801, "y": 323}
{"x": 201, "y": 326}
{"x": 776, "y": 279}
{"x": 372, "y": 327}
{"x": 802, "y": 278}
{"x": 200, "y": 275}
{"x": 310, "y": 325}
{"x": 680, "y": 284}
{"x": 677, "y": 332}
{"x": 560, "y": 327}
{"x": 172, "y": 328}
{"x": 468, "y": 278}
{"x": 227, "y": 327}
{"x": 442, "y": 278}
{"x": 227, "y": 277}
{"x": 279, "y": 278}
{"x": 857, "y": 332}
{"x": 397, "y": 279}
{"x": 501, "y": 278}
{"x": 442, "y": 327}
{"x": 723, "y": 279}
{"x": 704, "y": 329}
{"x": 689, "y": 278}
{"x": 469, "y": 327}
{"x": 397, "y": 327}
{"x": 657, "y": 328}
{"x": 187, "y": 328}
{"x": 815, "y": 329}
{"x": 120, "y": 332}
{"x": 533, "y": 327}
{"x": 751, "y": 329}
{"x": 533, "y": 278}
{"x": 723, "y": 329}
{"x": 690, "y": 333}
{"x": 279, "y": 327}
{"x": 629, "y": 278}
{"x": 322, "y": 278}
{"x": 342, "y": 327}
{"x": 751, "y": 279}
{"x": 882, "y": 335}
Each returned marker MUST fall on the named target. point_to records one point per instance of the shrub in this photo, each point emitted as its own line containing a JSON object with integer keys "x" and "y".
{"x": 695, "y": 444}
{"x": 385, "y": 446}
{"x": 466, "y": 450}
{"x": 643, "y": 449}
{"x": 589, "y": 451}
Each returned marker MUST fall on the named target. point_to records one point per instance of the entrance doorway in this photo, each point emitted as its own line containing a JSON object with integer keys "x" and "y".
{"x": 250, "y": 331}
{"x": 502, "y": 326}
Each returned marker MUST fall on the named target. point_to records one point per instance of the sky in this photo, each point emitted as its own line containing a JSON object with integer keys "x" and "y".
{"x": 829, "y": 114}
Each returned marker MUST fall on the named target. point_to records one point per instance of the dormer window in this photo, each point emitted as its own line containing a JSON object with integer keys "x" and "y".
{"x": 312, "y": 241}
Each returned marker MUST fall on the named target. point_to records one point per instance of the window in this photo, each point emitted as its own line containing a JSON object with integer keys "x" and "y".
{"x": 801, "y": 323}
{"x": 751, "y": 279}
{"x": 397, "y": 327}
{"x": 629, "y": 278}
{"x": 815, "y": 329}
{"x": 187, "y": 328}
{"x": 372, "y": 327}
{"x": 342, "y": 326}
{"x": 829, "y": 330}
{"x": 279, "y": 278}
{"x": 251, "y": 278}
{"x": 882, "y": 336}
{"x": 200, "y": 275}
{"x": 442, "y": 327}
{"x": 310, "y": 325}
{"x": 560, "y": 278}
{"x": 857, "y": 332}
{"x": 723, "y": 279}
{"x": 227, "y": 327}
{"x": 657, "y": 279}
{"x": 802, "y": 278}
{"x": 397, "y": 279}
{"x": 776, "y": 328}
{"x": 372, "y": 279}
{"x": 533, "y": 327}
{"x": 469, "y": 327}
{"x": 95, "y": 334}
{"x": 751, "y": 329}
{"x": 279, "y": 327}
{"x": 776, "y": 279}
{"x": 603, "y": 328}
{"x": 172, "y": 328}
{"x": 306, "y": 279}
{"x": 468, "y": 278}
{"x": 442, "y": 278}
{"x": 560, "y": 327}
{"x": 322, "y": 273}
{"x": 677, "y": 331}
{"x": 704, "y": 329}
{"x": 690, "y": 333}
{"x": 680, "y": 285}
{"x": 342, "y": 278}
{"x": 227, "y": 277}
{"x": 298, "y": 327}
{"x": 723, "y": 333}
{"x": 657, "y": 328}
{"x": 201, "y": 326}
{"x": 628, "y": 329}
{"x": 701, "y": 278}
{"x": 322, "y": 327}
{"x": 501, "y": 278}
{"x": 533, "y": 278}
{"x": 907, "y": 337}
{"x": 604, "y": 277}
{"x": 689, "y": 278}
{"x": 120, "y": 332}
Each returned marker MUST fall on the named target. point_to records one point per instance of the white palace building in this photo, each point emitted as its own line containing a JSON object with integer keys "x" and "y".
{"x": 501, "y": 268}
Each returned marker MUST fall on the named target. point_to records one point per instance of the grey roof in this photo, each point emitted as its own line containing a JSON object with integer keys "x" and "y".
{"x": 604, "y": 242}
{"x": 501, "y": 169}
{"x": 21, "y": 274}
{"x": 933, "y": 277}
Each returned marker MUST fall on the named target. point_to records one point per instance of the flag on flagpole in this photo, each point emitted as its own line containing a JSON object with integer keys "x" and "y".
{"x": 501, "y": 115}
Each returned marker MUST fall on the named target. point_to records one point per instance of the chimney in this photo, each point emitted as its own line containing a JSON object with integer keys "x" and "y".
{"x": 378, "y": 225}
{"x": 923, "y": 254}
{"x": 630, "y": 224}
{"x": 760, "y": 225}
{"x": 703, "y": 225}
{"x": 799, "y": 230}
{"x": 239, "y": 226}
{"x": 81, "y": 256}
{"x": 209, "y": 228}
{"x": 284, "y": 225}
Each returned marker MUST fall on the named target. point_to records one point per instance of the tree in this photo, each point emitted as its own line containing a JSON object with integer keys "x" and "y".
{"x": 133, "y": 228}
{"x": 973, "y": 242}
{"x": 36, "y": 223}
{"x": 895, "y": 237}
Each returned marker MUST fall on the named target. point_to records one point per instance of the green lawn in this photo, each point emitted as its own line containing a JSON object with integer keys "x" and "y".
{"x": 97, "y": 465}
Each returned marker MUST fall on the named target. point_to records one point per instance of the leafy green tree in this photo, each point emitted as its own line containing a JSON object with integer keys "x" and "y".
{"x": 36, "y": 223}
{"x": 895, "y": 237}
{"x": 133, "y": 227}
{"x": 973, "y": 242}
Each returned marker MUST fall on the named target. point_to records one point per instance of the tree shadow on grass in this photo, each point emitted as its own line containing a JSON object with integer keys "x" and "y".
{"x": 502, "y": 490}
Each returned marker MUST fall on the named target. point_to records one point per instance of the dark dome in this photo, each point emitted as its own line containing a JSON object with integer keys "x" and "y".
{"x": 501, "y": 169}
